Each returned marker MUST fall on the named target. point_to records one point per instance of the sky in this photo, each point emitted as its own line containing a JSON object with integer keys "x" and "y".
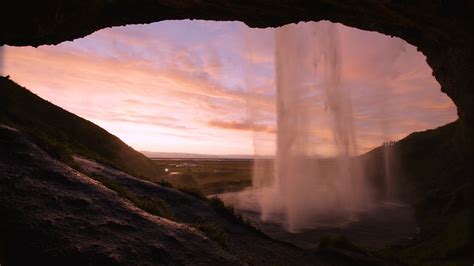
{"x": 193, "y": 86}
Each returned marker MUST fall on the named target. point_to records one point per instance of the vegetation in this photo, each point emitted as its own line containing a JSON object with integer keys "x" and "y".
{"x": 209, "y": 176}
{"x": 62, "y": 134}
{"x": 152, "y": 205}
{"x": 228, "y": 212}
{"x": 214, "y": 232}
{"x": 158, "y": 207}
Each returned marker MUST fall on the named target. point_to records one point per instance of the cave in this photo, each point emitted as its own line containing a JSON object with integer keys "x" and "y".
{"x": 442, "y": 31}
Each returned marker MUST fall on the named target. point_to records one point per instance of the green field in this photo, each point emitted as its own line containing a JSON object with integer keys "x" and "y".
{"x": 211, "y": 176}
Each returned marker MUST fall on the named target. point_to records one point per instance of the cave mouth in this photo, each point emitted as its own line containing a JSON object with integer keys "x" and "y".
{"x": 202, "y": 90}
{"x": 116, "y": 76}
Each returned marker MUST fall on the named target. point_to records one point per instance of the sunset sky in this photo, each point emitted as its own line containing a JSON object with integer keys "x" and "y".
{"x": 185, "y": 86}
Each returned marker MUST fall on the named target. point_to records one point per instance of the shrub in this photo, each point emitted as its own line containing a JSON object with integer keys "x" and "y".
{"x": 214, "y": 232}
{"x": 153, "y": 206}
{"x": 193, "y": 191}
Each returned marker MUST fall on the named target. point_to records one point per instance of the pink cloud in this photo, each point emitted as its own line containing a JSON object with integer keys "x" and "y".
{"x": 186, "y": 93}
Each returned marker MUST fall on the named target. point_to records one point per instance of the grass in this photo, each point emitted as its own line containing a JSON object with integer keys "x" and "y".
{"x": 158, "y": 207}
{"x": 152, "y": 205}
{"x": 229, "y": 213}
{"x": 214, "y": 232}
{"x": 226, "y": 211}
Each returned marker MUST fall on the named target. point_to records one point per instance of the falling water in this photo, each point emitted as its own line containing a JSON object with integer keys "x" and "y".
{"x": 391, "y": 167}
{"x": 304, "y": 189}
{"x": 392, "y": 170}
{"x": 1, "y": 61}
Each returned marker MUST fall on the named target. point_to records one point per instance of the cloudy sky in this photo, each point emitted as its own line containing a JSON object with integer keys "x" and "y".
{"x": 186, "y": 86}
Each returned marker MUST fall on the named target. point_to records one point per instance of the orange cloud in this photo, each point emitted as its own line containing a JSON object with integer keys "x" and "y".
{"x": 242, "y": 125}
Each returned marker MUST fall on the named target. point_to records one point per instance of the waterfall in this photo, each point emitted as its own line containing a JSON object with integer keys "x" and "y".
{"x": 305, "y": 189}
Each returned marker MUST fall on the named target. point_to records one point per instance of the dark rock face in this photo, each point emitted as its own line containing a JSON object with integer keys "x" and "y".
{"x": 442, "y": 30}
{"x": 52, "y": 214}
